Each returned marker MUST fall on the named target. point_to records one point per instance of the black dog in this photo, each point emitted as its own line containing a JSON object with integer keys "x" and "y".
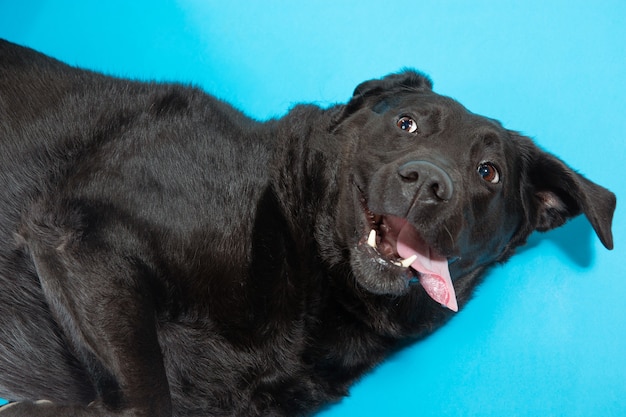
{"x": 161, "y": 254}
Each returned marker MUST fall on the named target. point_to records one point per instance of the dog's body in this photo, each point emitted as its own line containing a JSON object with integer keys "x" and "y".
{"x": 161, "y": 254}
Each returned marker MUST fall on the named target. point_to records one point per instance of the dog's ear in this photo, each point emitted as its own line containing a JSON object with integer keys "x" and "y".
{"x": 402, "y": 81}
{"x": 378, "y": 90}
{"x": 556, "y": 193}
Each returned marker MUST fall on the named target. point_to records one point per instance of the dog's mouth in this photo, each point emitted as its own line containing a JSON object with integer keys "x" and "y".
{"x": 392, "y": 241}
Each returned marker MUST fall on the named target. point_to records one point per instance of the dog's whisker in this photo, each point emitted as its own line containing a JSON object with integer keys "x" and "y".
{"x": 449, "y": 234}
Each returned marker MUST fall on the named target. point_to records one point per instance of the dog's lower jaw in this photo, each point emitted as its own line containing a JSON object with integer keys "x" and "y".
{"x": 378, "y": 274}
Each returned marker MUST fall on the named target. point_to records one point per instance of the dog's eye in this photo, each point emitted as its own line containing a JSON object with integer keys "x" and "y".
{"x": 489, "y": 172}
{"x": 407, "y": 124}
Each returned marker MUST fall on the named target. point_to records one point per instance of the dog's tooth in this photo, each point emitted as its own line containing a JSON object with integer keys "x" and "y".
{"x": 371, "y": 239}
{"x": 408, "y": 261}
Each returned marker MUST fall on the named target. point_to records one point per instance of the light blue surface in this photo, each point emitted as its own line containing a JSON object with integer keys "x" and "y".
{"x": 546, "y": 333}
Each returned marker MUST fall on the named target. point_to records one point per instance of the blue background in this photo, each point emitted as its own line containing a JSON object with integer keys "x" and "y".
{"x": 546, "y": 333}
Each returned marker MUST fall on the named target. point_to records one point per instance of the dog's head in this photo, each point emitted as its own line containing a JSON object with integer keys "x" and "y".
{"x": 434, "y": 193}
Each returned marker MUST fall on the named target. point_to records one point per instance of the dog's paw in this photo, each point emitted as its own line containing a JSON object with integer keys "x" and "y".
{"x": 6, "y": 407}
{"x": 41, "y": 408}
{"x": 45, "y": 408}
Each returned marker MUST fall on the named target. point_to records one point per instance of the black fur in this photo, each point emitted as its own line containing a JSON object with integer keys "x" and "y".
{"x": 161, "y": 254}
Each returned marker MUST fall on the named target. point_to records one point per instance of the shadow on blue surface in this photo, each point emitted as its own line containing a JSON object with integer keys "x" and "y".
{"x": 575, "y": 240}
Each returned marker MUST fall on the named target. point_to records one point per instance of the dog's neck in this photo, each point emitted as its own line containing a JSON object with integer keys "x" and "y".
{"x": 300, "y": 166}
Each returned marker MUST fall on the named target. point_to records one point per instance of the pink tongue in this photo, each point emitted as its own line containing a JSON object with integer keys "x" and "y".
{"x": 433, "y": 268}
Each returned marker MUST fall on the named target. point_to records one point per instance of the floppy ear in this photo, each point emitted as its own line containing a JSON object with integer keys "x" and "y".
{"x": 376, "y": 90}
{"x": 557, "y": 193}
{"x": 406, "y": 80}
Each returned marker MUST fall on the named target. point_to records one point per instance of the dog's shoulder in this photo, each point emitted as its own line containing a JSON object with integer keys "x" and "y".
{"x": 124, "y": 148}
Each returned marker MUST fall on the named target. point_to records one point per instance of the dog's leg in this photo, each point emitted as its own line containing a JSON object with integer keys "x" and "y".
{"x": 102, "y": 297}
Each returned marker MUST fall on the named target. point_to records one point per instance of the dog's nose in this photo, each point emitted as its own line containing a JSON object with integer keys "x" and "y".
{"x": 430, "y": 182}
